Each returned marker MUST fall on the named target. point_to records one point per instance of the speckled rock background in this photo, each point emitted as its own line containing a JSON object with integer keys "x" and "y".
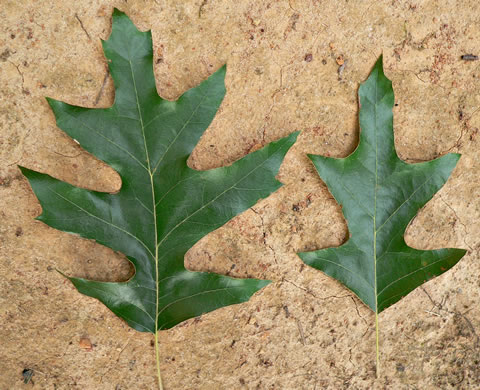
{"x": 285, "y": 73}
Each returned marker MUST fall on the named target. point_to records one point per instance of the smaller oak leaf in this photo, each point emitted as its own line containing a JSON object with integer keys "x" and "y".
{"x": 163, "y": 207}
{"x": 380, "y": 194}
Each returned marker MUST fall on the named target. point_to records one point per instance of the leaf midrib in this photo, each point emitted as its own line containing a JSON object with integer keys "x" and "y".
{"x": 151, "y": 174}
{"x": 375, "y": 207}
{"x": 375, "y": 229}
{"x": 152, "y": 186}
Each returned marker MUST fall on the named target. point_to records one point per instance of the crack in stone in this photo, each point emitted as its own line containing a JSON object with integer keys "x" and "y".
{"x": 265, "y": 235}
{"x": 23, "y": 149}
{"x": 200, "y": 9}
{"x": 441, "y": 307}
{"x": 24, "y": 90}
{"x": 267, "y": 116}
{"x": 459, "y": 220}
{"x": 300, "y": 330}
{"x": 291, "y": 7}
{"x": 304, "y": 289}
{"x": 358, "y": 312}
{"x": 83, "y": 28}
{"x": 313, "y": 295}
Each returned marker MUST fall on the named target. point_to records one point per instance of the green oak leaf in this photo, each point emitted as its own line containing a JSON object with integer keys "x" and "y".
{"x": 379, "y": 195}
{"x": 163, "y": 207}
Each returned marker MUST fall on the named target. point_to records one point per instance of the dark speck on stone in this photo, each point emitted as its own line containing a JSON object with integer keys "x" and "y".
{"x": 469, "y": 57}
{"x": 5, "y": 54}
{"x": 27, "y": 374}
{"x": 309, "y": 57}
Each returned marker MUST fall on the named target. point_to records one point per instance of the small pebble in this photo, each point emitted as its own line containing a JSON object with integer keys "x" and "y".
{"x": 85, "y": 344}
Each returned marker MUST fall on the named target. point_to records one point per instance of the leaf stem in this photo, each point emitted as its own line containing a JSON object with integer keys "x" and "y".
{"x": 377, "y": 345}
{"x": 157, "y": 358}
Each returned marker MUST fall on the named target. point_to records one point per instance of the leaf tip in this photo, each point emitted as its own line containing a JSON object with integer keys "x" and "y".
{"x": 40, "y": 218}
{"x": 293, "y": 136}
{"x": 117, "y": 13}
{"x": 379, "y": 69}
{"x": 263, "y": 283}
{"x": 28, "y": 173}
{"x": 304, "y": 256}
{"x": 119, "y": 16}
{"x": 55, "y": 105}
{"x": 220, "y": 74}
{"x": 379, "y": 63}
{"x": 63, "y": 274}
{"x": 24, "y": 170}
{"x": 121, "y": 21}
{"x": 456, "y": 156}
{"x": 461, "y": 253}
{"x": 291, "y": 139}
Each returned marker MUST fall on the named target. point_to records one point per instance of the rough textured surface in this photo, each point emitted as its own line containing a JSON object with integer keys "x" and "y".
{"x": 292, "y": 65}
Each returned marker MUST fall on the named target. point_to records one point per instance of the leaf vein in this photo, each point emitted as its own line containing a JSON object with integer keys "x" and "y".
{"x": 104, "y": 221}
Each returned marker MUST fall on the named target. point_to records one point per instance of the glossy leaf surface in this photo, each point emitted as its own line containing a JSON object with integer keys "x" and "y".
{"x": 379, "y": 195}
{"x": 163, "y": 207}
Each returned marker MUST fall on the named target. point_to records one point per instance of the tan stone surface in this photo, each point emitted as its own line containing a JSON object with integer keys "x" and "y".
{"x": 304, "y": 331}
